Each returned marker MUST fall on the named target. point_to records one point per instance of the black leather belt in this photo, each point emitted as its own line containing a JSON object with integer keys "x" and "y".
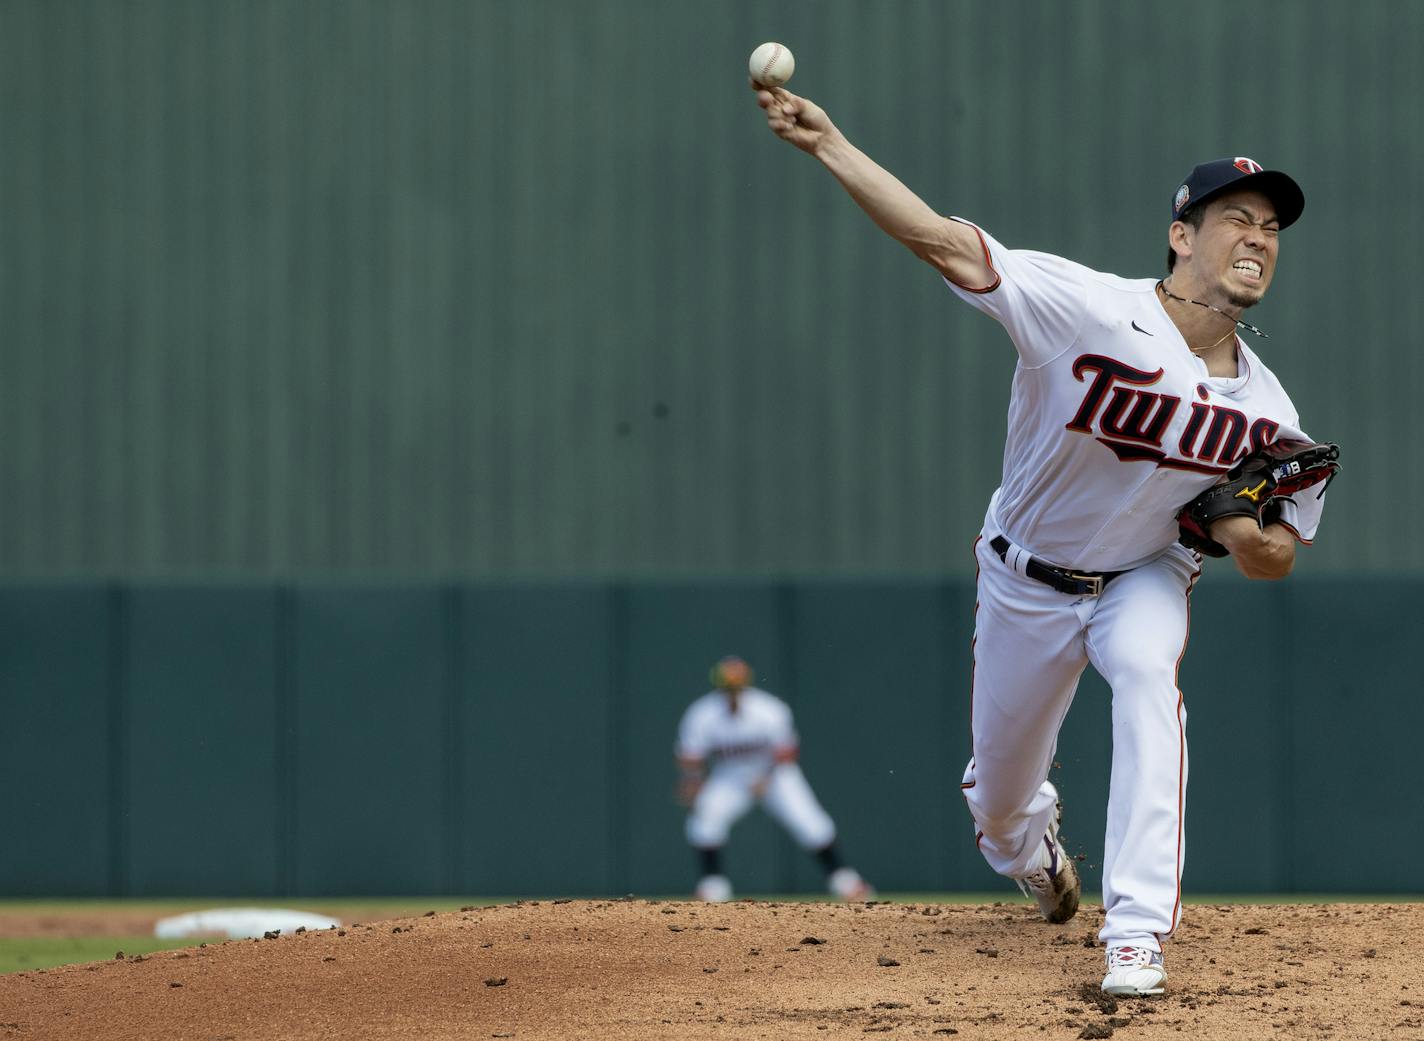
{"x": 1075, "y": 583}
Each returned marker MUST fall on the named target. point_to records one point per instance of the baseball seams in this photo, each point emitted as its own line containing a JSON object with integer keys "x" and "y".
{"x": 770, "y": 62}
{"x": 770, "y": 65}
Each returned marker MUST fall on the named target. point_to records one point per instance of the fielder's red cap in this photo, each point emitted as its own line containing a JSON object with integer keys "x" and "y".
{"x": 1208, "y": 180}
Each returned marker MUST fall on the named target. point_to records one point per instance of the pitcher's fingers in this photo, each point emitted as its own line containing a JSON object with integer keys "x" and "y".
{"x": 778, "y": 112}
{"x": 791, "y": 108}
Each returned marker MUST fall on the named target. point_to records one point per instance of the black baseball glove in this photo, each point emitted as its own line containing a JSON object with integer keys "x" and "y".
{"x": 1256, "y": 487}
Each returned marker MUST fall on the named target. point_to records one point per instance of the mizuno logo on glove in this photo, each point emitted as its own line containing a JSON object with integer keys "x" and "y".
{"x": 1254, "y": 494}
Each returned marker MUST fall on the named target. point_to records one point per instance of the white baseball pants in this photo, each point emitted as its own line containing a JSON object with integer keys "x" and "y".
{"x": 1031, "y": 644}
{"x": 727, "y": 795}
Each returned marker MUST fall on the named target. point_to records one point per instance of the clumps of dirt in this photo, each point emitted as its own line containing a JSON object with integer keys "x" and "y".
{"x": 613, "y": 969}
{"x": 1092, "y": 994}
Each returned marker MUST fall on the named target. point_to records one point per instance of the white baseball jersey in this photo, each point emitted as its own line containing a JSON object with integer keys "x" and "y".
{"x": 741, "y": 742}
{"x": 1114, "y": 423}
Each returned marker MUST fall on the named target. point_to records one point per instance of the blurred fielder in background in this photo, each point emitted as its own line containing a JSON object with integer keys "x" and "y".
{"x": 736, "y": 745}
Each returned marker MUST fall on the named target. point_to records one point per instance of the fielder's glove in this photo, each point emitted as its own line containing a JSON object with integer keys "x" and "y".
{"x": 1256, "y": 487}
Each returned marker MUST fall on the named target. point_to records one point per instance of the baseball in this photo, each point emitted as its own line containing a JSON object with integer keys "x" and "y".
{"x": 771, "y": 65}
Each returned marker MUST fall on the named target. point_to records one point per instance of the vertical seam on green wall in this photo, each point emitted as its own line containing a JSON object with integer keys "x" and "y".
{"x": 285, "y": 809}
{"x": 618, "y": 855}
{"x": 118, "y": 741}
{"x": 1286, "y": 683}
{"x": 790, "y": 690}
{"x": 453, "y": 746}
{"x": 952, "y": 847}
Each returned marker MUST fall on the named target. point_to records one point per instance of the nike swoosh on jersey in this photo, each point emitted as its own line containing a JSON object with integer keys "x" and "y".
{"x": 1139, "y": 328}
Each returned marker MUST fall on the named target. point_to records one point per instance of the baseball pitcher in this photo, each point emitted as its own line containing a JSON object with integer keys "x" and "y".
{"x": 1142, "y": 433}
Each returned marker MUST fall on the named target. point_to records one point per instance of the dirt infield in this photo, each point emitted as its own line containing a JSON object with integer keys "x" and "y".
{"x": 649, "y": 969}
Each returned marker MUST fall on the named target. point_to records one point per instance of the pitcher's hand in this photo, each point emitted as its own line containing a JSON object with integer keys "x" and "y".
{"x": 791, "y": 118}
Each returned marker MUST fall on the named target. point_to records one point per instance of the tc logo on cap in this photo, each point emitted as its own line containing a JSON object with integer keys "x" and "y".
{"x": 1183, "y": 194}
{"x": 1247, "y": 166}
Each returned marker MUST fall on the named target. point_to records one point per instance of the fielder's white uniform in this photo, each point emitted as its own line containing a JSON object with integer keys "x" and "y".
{"x": 1113, "y": 425}
{"x": 742, "y": 750}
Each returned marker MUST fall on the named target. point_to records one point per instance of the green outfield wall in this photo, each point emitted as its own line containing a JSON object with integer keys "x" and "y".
{"x": 323, "y": 739}
{"x": 363, "y": 289}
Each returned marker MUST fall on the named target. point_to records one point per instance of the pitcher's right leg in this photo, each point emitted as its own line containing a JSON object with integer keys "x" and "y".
{"x": 1028, "y": 655}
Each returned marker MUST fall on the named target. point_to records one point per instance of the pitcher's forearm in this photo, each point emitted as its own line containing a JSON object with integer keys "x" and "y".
{"x": 948, "y": 245}
{"x": 1267, "y": 553}
{"x": 900, "y": 212}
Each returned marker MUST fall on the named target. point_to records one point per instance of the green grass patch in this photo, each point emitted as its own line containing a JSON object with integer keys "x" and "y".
{"x": 21, "y": 955}
{"x": 399, "y": 906}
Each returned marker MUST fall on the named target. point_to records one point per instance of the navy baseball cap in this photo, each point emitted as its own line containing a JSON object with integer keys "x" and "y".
{"x": 1208, "y": 180}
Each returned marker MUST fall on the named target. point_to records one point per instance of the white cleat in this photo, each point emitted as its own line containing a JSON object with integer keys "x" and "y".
{"x": 1055, "y": 885}
{"x": 1134, "y": 972}
{"x": 846, "y": 884}
{"x": 714, "y": 889}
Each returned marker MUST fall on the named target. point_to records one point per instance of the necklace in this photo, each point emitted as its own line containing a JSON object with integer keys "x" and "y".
{"x": 1245, "y": 325}
{"x": 1203, "y": 350}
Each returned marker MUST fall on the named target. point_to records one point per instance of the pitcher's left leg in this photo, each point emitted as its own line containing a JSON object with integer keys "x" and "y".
{"x": 1136, "y": 639}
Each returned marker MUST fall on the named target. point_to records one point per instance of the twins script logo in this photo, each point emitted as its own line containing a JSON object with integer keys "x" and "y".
{"x": 1129, "y": 419}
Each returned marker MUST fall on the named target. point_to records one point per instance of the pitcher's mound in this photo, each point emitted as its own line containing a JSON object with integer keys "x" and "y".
{"x": 659, "y": 970}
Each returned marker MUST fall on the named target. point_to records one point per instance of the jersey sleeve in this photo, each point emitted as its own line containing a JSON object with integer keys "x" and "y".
{"x": 691, "y": 736}
{"x": 1301, "y": 513}
{"x": 1040, "y": 299}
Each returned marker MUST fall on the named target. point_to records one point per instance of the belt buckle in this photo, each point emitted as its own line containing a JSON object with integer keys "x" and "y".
{"x": 1093, "y": 582}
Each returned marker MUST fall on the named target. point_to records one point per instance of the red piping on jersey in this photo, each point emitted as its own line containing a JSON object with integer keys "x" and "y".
{"x": 1181, "y": 757}
{"x": 988, "y": 259}
{"x": 1291, "y": 528}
